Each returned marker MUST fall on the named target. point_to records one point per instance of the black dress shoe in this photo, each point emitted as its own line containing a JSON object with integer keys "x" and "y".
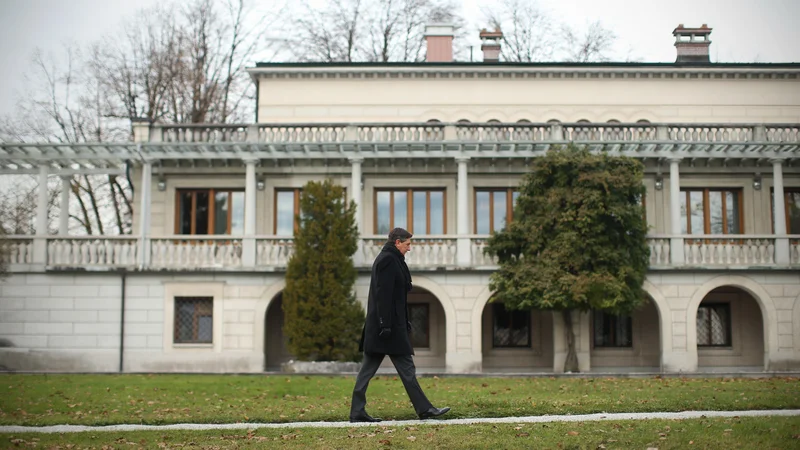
{"x": 364, "y": 418}
{"x": 433, "y": 412}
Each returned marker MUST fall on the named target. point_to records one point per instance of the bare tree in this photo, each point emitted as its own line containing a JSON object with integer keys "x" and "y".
{"x": 531, "y": 34}
{"x": 592, "y": 44}
{"x": 527, "y": 30}
{"x": 368, "y": 30}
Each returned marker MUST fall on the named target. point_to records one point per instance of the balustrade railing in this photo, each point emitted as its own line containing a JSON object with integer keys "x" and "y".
{"x": 17, "y": 249}
{"x": 92, "y": 251}
{"x": 181, "y": 252}
{"x": 480, "y": 132}
{"x": 729, "y": 250}
{"x": 426, "y": 251}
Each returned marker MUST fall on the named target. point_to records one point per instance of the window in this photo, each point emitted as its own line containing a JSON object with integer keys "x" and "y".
{"x": 711, "y": 211}
{"x": 420, "y": 328}
{"x": 194, "y": 318}
{"x": 209, "y": 211}
{"x": 714, "y": 325}
{"x": 611, "y": 330}
{"x": 287, "y": 209}
{"x": 792, "y": 205}
{"x": 418, "y": 211}
{"x": 510, "y": 328}
{"x": 493, "y": 209}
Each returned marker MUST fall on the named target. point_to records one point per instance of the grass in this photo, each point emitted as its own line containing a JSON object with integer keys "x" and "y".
{"x": 163, "y": 399}
{"x": 728, "y": 433}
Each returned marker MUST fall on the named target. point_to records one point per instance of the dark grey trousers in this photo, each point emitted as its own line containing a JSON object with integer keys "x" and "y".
{"x": 405, "y": 369}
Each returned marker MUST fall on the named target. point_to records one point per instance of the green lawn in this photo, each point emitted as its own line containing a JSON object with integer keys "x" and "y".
{"x": 729, "y": 433}
{"x": 164, "y": 399}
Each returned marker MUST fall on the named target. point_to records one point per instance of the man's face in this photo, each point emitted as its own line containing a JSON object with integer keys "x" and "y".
{"x": 404, "y": 247}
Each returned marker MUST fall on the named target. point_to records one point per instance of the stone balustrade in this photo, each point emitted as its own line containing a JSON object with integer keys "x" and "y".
{"x": 180, "y": 252}
{"x": 473, "y": 132}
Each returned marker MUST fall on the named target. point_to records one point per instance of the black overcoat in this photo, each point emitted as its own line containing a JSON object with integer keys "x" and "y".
{"x": 387, "y": 306}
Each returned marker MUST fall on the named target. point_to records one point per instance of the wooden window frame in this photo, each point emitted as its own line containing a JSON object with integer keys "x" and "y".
{"x": 427, "y": 307}
{"x": 786, "y": 192}
{"x": 195, "y": 320}
{"x": 707, "y": 210}
{"x": 614, "y": 337}
{"x": 728, "y": 325}
{"x": 509, "y": 206}
{"x": 212, "y": 192}
{"x": 494, "y": 321}
{"x": 410, "y": 208}
{"x": 297, "y": 192}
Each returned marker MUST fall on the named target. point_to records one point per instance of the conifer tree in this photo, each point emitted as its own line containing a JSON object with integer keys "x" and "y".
{"x": 323, "y": 320}
{"x": 577, "y": 239}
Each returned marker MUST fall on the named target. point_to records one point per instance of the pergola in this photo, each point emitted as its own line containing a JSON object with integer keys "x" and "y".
{"x": 156, "y": 147}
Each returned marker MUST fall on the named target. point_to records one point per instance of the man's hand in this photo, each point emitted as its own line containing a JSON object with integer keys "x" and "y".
{"x": 408, "y": 326}
{"x": 385, "y": 333}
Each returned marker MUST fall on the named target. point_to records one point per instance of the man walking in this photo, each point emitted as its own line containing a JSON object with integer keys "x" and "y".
{"x": 387, "y": 329}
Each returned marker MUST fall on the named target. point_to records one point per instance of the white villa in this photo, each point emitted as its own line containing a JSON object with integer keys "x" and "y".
{"x": 437, "y": 147}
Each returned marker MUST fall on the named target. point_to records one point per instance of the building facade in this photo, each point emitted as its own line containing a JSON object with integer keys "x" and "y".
{"x": 437, "y": 148}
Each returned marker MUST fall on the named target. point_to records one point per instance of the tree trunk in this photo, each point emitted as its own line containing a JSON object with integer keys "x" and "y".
{"x": 571, "y": 363}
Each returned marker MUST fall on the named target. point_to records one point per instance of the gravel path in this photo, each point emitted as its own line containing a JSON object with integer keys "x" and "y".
{"x": 528, "y": 419}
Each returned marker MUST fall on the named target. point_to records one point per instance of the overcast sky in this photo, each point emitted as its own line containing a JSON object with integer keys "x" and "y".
{"x": 744, "y": 30}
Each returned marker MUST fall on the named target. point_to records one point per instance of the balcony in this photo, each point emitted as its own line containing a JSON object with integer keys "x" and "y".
{"x": 224, "y": 253}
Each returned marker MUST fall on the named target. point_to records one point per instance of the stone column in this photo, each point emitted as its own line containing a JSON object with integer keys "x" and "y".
{"x": 63, "y": 216}
{"x": 676, "y": 243}
{"x": 40, "y": 239}
{"x": 463, "y": 248}
{"x": 249, "y": 240}
{"x": 779, "y": 214}
{"x": 355, "y": 195}
{"x": 144, "y": 218}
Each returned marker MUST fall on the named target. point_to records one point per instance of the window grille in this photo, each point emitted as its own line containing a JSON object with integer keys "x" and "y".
{"x": 420, "y": 325}
{"x": 194, "y": 320}
{"x": 511, "y": 328}
{"x": 714, "y": 325}
{"x": 612, "y": 331}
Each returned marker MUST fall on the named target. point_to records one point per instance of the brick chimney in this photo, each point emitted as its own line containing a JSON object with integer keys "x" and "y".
{"x": 439, "y": 39}
{"x": 692, "y": 44}
{"x": 490, "y": 44}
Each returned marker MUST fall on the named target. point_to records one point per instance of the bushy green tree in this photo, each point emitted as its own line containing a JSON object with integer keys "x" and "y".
{"x": 323, "y": 320}
{"x": 577, "y": 240}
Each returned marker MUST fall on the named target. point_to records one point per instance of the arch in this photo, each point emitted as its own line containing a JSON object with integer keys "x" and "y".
{"x": 261, "y": 313}
{"x": 613, "y": 121}
{"x": 768, "y": 314}
{"x": 655, "y": 294}
{"x": 447, "y": 305}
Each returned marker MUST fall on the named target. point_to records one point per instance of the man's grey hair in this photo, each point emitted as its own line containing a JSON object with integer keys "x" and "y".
{"x": 399, "y": 233}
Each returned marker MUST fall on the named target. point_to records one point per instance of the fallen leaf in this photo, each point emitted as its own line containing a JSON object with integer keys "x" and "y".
{"x": 411, "y": 438}
{"x": 573, "y": 433}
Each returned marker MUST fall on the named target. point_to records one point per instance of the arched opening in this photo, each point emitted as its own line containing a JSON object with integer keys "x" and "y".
{"x": 515, "y": 340}
{"x": 275, "y": 350}
{"x": 626, "y": 343}
{"x": 428, "y": 329}
{"x": 730, "y": 331}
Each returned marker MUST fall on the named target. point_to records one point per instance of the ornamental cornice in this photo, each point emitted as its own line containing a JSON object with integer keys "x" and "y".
{"x": 500, "y": 72}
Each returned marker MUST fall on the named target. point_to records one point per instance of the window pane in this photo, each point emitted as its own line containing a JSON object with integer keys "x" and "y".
{"x": 793, "y": 212}
{"x": 514, "y": 197}
{"x": 732, "y": 207}
{"x": 400, "y": 210}
{"x": 383, "y": 212}
{"x": 696, "y": 209}
{"x": 284, "y": 225}
{"x": 237, "y": 216}
{"x": 703, "y": 331}
{"x": 420, "y": 213}
{"x": 437, "y": 212}
{"x": 221, "y": 212}
{"x": 193, "y": 320}
{"x": 499, "y": 213}
{"x": 204, "y": 324}
{"x": 201, "y": 212}
{"x": 713, "y": 325}
{"x": 419, "y": 325}
{"x": 510, "y": 328}
{"x": 185, "y": 213}
{"x": 715, "y": 211}
{"x": 482, "y": 212}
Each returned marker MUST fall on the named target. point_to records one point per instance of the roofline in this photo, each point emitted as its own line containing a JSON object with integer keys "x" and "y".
{"x": 503, "y": 64}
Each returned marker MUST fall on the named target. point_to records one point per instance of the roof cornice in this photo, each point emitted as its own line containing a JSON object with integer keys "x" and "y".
{"x": 546, "y": 71}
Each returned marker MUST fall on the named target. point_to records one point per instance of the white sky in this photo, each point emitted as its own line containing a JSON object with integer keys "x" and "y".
{"x": 744, "y": 30}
